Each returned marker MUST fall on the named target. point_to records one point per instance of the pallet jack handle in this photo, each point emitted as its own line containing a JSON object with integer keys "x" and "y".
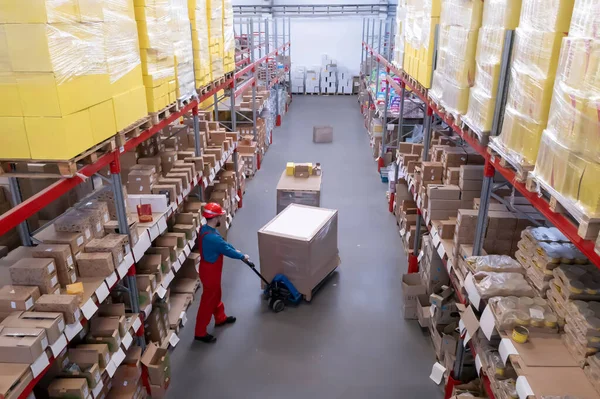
{"x": 253, "y": 267}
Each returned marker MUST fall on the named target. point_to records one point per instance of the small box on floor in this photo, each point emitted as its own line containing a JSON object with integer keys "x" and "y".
{"x": 322, "y": 134}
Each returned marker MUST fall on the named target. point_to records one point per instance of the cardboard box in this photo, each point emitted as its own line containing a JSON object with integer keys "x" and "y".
{"x": 423, "y": 311}
{"x": 466, "y": 195}
{"x": 99, "y": 350}
{"x": 14, "y": 378}
{"x": 74, "y": 240}
{"x": 311, "y": 253}
{"x": 432, "y": 171}
{"x": 471, "y": 172}
{"x": 72, "y": 388}
{"x": 140, "y": 181}
{"x": 104, "y": 326}
{"x": 158, "y": 364}
{"x": 470, "y": 185}
{"x": 68, "y": 305}
{"x": 412, "y": 287}
{"x": 22, "y": 345}
{"x": 293, "y": 190}
{"x": 52, "y": 323}
{"x": 63, "y": 258}
{"x": 40, "y": 272}
{"x": 71, "y": 223}
{"x": 18, "y": 297}
{"x": 443, "y": 192}
{"x": 96, "y": 264}
{"x": 322, "y": 134}
{"x": 409, "y": 312}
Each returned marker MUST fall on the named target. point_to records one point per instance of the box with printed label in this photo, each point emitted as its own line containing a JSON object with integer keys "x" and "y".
{"x": 18, "y": 297}
{"x": 72, "y": 388}
{"x": 95, "y": 264}
{"x": 63, "y": 258}
{"x": 53, "y": 323}
{"x": 112, "y": 245}
{"x": 40, "y": 272}
{"x": 68, "y": 305}
{"x": 75, "y": 224}
{"x": 22, "y": 345}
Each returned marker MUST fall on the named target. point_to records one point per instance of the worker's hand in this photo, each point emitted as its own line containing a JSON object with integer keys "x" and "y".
{"x": 246, "y": 257}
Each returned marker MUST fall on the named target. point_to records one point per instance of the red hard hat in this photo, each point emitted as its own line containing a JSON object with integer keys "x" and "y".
{"x": 212, "y": 210}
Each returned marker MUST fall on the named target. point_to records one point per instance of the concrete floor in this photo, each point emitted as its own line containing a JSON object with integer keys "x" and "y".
{"x": 351, "y": 341}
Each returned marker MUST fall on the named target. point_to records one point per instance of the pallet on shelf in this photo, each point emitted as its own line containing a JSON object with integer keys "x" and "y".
{"x": 588, "y": 227}
{"x": 45, "y": 168}
{"x": 482, "y": 137}
{"x": 133, "y": 130}
{"x": 415, "y": 84}
{"x": 508, "y": 160}
{"x": 164, "y": 113}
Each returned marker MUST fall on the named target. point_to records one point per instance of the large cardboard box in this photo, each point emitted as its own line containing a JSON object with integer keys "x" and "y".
{"x": 21, "y": 345}
{"x": 301, "y": 243}
{"x": 158, "y": 364}
{"x": 75, "y": 388}
{"x": 412, "y": 287}
{"x": 14, "y": 378}
{"x": 298, "y": 190}
{"x": 18, "y": 297}
{"x": 52, "y": 323}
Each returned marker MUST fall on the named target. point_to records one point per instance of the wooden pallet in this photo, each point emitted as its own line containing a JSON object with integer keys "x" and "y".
{"x": 588, "y": 227}
{"x": 450, "y": 115}
{"x": 184, "y": 102}
{"x": 51, "y": 168}
{"x": 506, "y": 160}
{"x": 133, "y": 130}
{"x": 482, "y": 137}
{"x": 164, "y": 113}
{"x": 415, "y": 84}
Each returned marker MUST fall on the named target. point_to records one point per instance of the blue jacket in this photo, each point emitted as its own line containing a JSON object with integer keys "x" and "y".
{"x": 213, "y": 245}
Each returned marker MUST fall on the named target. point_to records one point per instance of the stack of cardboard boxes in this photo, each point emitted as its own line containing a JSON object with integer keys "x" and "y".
{"x": 312, "y": 81}
{"x": 298, "y": 80}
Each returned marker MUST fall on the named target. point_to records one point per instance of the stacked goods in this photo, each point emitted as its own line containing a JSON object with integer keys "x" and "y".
{"x": 455, "y": 70}
{"x": 55, "y": 81}
{"x": 582, "y": 329}
{"x": 433, "y": 273}
{"x": 215, "y": 37}
{"x": 533, "y": 313}
{"x": 199, "y": 21}
{"x": 568, "y": 160}
{"x": 228, "y": 37}
{"x": 421, "y": 20}
{"x": 498, "y": 17}
{"x": 157, "y": 53}
{"x": 124, "y": 65}
{"x": 534, "y": 61}
{"x": 398, "y": 57}
{"x": 181, "y": 37}
{"x": 497, "y": 277}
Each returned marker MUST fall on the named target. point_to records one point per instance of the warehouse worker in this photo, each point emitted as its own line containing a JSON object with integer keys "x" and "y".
{"x": 212, "y": 247}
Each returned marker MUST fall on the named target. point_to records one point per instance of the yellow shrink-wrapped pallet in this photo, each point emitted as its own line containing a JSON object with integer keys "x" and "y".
{"x": 228, "y": 37}
{"x": 198, "y": 15}
{"x": 398, "y": 57}
{"x": 419, "y": 28}
{"x": 569, "y": 154}
{"x": 124, "y": 64}
{"x": 455, "y": 70}
{"x": 215, "y": 37}
{"x": 157, "y": 53}
{"x": 498, "y": 17}
{"x": 542, "y": 26}
{"x": 181, "y": 36}
{"x": 54, "y": 79}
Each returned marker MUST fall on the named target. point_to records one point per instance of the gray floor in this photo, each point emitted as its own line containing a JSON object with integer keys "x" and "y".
{"x": 351, "y": 341}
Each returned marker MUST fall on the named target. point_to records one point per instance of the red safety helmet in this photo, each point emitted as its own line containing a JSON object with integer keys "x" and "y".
{"x": 212, "y": 210}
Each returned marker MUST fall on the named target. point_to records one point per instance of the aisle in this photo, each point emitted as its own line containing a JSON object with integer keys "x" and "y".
{"x": 351, "y": 341}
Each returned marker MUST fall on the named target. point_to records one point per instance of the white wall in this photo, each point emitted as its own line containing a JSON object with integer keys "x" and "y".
{"x": 338, "y": 37}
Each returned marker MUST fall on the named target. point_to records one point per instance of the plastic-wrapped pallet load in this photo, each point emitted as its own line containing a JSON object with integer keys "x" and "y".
{"x": 124, "y": 65}
{"x": 215, "y": 37}
{"x": 455, "y": 70}
{"x": 398, "y": 58}
{"x": 541, "y": 29}
{"x": 199, "y": 21}
{"x": 228, "y": 37}
{"x": 153, "y": 19}
{"x": 54, "y": 80}
{"x": 569, "y": 155}
{"x": 498, "y": 17}
{"x": 181, "y": 35}
{"x": 421, "y": 20}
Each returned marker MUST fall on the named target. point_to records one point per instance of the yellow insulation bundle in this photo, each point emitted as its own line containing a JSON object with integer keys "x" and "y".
{"x": 498, "y": 17}
{"x": 55, "y": 87}
{"x": 569, "y": 150}
{"x": 228, "y": 37}
{"x": 198, "y": 16}
{"x": 181, "y": 36}
{"x": 419, "y": 23}
{"x": 215, "y": 37}
{"x": 542, "y": 26}
{"x": 157, "y": 53}
{"x": 455, "y": 72}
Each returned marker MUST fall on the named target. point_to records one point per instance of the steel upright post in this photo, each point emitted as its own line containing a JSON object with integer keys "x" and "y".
{"x": 400, "y": 125}
{"x": 372, "y": 46}
{"x": 484, "y": 205}
{"x": 197, "y": 147}
{"x": 267, "y": 50}
{"x": 362, "y": 44}
{"x": 254, "y": 77}
{"x": 238, "y": 178}
{"x": 276, "y": 45}
{"x": 289, "y": 36}
{"x": 23, "y": 227}
{"x": 386, "y": 103}
{"x": 377, "y": 73}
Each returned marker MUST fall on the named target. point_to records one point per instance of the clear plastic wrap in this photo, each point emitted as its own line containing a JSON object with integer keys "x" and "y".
{"x": 215, "y": 37}
{"x": 544, "y": 234}
{"x": 542, "y": 27}
{"x": 228, "y": 37}
{"x": 513, "y": 311}
{"x": 494, "y": 263}
{"x": 502, "y": 284}
{"x": 577, "y": 282}
{"x": 181, "y": 35}
{"x": 120, "y": 39}
{"x": 465, "y": 13}
{"x": 200, "y": 44}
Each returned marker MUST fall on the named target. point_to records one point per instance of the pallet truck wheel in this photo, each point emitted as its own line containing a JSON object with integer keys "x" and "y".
{"x": 278, "y": 305}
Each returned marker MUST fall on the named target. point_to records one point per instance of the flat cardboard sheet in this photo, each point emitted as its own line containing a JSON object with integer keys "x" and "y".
{"x": 299, "y": 222}
{"x": 312, "y": 183}
{"x": 538, "y": 351}
{"x": 554, "y": 381}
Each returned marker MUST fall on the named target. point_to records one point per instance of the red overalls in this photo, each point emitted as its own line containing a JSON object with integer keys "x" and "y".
{"x": 210, "y": 301}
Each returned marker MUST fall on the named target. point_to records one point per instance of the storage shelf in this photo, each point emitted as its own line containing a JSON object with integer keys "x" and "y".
{"x": 560, "y": 221}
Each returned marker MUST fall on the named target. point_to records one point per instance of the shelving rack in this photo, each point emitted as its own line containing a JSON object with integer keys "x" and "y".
{"x": 233, "y": 86}
{"x": 371, "y": 46}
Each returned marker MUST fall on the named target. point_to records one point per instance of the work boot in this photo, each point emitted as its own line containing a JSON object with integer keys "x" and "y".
{"x": 207, "y": 339}
{"x": 228, "y": 320}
